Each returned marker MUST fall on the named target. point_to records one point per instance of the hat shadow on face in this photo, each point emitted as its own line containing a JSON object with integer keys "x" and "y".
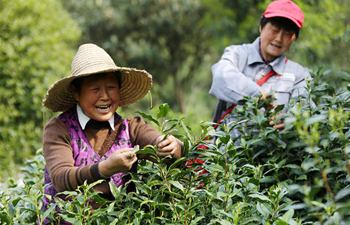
{"x": 89, "y": 60}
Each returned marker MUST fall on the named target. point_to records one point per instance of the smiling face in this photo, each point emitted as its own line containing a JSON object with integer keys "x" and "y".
{"x": 275, "y": 40}
{"x": 98, "y": 96}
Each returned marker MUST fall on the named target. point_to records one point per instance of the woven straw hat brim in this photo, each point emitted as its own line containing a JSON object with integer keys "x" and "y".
{"x": 134, "y": 86}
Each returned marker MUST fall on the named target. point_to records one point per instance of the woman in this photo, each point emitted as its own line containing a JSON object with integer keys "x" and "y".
{"x": 261, "y": 67}
{"x": 89, "y": 141}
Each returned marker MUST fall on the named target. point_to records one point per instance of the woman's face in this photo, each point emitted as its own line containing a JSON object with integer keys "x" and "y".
{"x": 274, "y": 41}
{"x": 99, "y": 96}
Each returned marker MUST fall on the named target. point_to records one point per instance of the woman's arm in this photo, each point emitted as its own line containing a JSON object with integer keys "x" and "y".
{"x": 229, "y": 83}
{"x": 59, "y": 159}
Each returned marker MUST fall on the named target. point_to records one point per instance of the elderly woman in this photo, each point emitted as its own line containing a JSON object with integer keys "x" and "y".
{"x": 89, "y": 141}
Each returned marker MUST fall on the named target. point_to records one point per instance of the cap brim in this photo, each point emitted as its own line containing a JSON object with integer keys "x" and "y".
{"x": 290, "y": 17}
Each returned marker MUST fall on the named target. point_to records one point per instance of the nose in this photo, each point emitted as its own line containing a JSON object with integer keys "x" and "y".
{"x": 279, "y": 35}
{"x": 104, "y": 93}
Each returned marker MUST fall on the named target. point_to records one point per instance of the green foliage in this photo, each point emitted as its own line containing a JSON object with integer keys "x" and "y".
{"x": 325, "y": 37}
{"x": 167, "y": 38}
{"x": 21, "y": 201}
{"x": 35, "y": 38}
{"x": 298, "y": 175}
{"x": 178, "y": 41}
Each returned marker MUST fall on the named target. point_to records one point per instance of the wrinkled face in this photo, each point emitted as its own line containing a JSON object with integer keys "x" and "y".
{"x": 274, "y": 41}
{"x": 98, "y": 96}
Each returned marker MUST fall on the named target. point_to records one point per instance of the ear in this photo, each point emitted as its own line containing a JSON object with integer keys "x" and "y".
{"x": 75, "y": 93}
{"x": 76, "y": 96}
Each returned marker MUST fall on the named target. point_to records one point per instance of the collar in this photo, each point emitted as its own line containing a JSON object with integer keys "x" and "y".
{"x": 84, "y": 119}
{"x": 254, "y": 56}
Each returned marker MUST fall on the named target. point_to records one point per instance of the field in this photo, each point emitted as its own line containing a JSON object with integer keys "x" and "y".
{"x": 298, "y": 175}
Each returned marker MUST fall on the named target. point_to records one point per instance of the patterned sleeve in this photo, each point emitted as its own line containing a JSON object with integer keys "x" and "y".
{"x": 142, "y": 133}
{"x": 59, "y": 159}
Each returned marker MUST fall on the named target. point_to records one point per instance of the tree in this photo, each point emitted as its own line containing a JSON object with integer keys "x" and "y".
{"x": 325, "y": 39}
{"x": 36, "y": 41}
{"x": 167, "y": 38}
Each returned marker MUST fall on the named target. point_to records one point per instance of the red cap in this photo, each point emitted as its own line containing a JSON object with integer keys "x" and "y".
{"x": 286, "y": 9}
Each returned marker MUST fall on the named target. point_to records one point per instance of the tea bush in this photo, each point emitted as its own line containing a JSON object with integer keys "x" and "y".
{"x": 262, "y": 175}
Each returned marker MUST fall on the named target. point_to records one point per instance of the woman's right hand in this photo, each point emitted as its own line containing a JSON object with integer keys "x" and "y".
{"x": 119, "y": 161}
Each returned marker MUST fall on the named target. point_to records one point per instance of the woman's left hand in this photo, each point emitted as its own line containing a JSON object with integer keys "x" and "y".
{"x": 169, "y": 146}
{"x": 277, "y": 121}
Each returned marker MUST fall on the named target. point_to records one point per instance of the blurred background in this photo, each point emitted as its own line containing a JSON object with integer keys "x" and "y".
{"x": 177, "y": 41}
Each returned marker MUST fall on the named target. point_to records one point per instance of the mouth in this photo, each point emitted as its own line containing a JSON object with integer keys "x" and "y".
{"x": 276, "y": 45}
{"x": 103, "y": 108}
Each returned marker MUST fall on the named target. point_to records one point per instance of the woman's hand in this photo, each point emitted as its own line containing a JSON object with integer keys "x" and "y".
{"x": 277, "y": 122}
{"x": 169, "y": 146}
{"x": 264, "y": 94}
{"x": 119, "y": 161}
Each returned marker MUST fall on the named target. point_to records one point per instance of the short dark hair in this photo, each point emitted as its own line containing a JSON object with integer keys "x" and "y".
{"x": 76, "y": 83}
{"x": 281, "y": 22}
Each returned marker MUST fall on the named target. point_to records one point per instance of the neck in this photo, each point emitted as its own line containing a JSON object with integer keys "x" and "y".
{"x": 265, "y": 58}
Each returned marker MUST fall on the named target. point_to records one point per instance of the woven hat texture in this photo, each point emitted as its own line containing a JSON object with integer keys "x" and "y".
{"x": 91, "y": 59}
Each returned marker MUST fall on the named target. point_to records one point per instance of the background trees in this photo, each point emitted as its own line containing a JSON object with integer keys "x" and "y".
{"x": 177, "y": 41}
{"x": 168, "y": 38}
{"x": 36, "y": 40}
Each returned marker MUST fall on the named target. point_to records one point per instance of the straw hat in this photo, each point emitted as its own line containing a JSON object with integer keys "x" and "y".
{"x": 91, "y": 59}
